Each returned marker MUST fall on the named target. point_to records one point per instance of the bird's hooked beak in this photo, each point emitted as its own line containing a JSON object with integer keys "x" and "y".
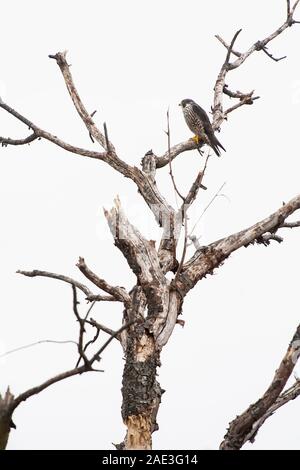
{"x": 179, "y": 104}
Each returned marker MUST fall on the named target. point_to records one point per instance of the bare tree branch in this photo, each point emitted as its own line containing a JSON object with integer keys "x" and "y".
{"x": 86, "y": 117}
{"x": 192, "y": 194}
{"x": 38, "y": 132}
{"x": 235, "y": 94}
{"x": 266, "y": 238}
{"x": 197, "y": 184}
{"x": 289, "y": 22}
{"x": 241, "y": 428}
{"x": 35, "y": 390}
{"x": 70, "y": 373}
{"x": 89, "y": 294}
{"x": 115, "y": 334}
{"x": 210, "y": 257}
{"x": 102, "y": 298}
{"x": 246, "y": 100}
{"x": 265, "y": 50}
{"x": 170, "y": 161}
{"x": 290, "y": 224}
{"x": 236, "y": 53}
{"x": 101, "y": 327}
{"x": 285, "y": 397}
{"x": 118, "y": 292}
{"x": 4, "y": 141}
{"x": 81, "y": 322}
{"x": 217, "y": 194}
{"x": 218, "y": 115}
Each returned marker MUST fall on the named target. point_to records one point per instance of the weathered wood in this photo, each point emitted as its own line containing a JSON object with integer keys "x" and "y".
{"x": 6, "y": 422}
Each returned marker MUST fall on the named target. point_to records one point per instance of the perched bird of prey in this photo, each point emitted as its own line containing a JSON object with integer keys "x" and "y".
{"x": 199, "y": 123}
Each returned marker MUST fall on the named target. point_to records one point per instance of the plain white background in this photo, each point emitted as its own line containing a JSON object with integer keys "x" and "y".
{"x": 130, "y": 61}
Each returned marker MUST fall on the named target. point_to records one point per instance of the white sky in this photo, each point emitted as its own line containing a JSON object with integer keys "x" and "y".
{"x": 131, "y": 60}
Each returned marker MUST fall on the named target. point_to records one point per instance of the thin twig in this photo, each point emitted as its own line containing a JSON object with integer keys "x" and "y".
{"x": 184, "y": 209}
{"x": 236, "y": 53}
{"x": 170, "y": 161}
{"x": 101, "y": 327}
{"x": 208, "y": 205}
{"x": 229, "y": 51}
{"x": 70, "y": 373}
{"x": 57, "y": 378}
{"x": 20, "y": 348}
{"x": 117, "y": 333}
{"x": 276, "y": 59}
{"x": 290, "y": 224}
{"x": 192, "y": 194}
{"x": 89, "y": 310}
{"x": 91, "y": 341}
{"x": 89, "y": 294}
{"x": 81, "y": 329}
{"x": 60, "y": 277}
{"x": 106, "y": 137}
{"x": 82, "y": 324}
{"x": 246, "y": 100}
{"x": 184, "y": 245}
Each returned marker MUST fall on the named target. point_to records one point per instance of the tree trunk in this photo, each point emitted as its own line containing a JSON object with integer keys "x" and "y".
{"x": 140, "y": 390}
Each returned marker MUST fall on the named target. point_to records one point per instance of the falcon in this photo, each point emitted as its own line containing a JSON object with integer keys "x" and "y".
{"x": 199, "y": 123}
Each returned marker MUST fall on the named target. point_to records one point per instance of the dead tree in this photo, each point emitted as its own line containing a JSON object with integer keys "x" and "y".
{"x": 152, "y": 306}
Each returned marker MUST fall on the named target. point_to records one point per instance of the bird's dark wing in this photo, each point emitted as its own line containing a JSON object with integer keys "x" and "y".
{"x": 204, "y": 119}
{"x": 208, "y": 129}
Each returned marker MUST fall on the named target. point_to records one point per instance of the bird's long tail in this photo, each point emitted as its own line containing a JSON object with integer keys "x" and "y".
{"x": 215, "y": 144}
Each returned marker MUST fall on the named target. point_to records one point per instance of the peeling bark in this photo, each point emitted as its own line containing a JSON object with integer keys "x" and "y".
{"x": 141, "y": 392}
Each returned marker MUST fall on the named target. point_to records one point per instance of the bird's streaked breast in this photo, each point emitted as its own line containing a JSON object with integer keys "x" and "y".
{"x": 192, "y": 119}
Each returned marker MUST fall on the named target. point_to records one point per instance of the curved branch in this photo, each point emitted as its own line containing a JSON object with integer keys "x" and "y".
{"x": 174, "y": 152}
{"x": 38, "y": 132}
{"x": 245, "y": 426}
{"x": 118, "y": 293}
{"x": 4, "y": 141}
{"x": 89, "y": 294}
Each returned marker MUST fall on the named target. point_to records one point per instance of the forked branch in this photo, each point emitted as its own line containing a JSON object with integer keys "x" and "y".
{"x": 245, "y": 426}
